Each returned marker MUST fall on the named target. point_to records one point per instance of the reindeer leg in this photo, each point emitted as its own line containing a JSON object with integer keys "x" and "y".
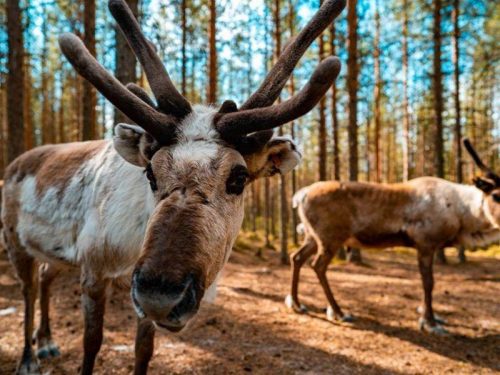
{"x": 26, "y": 271}
{"x": 428, "y": 322}
{"x": 320, "y": 265}
{"x": 298, "y": 259}
{"x": 93, "y": 303}
{"x": 144, "y": 345}
{"x": 46, "y": 347}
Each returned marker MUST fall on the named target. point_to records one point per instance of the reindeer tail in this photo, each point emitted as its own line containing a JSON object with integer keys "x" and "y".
{"x": 299, "y": 197}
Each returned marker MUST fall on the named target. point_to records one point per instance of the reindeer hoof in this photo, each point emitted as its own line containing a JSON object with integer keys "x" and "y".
{"x": 437, "y": 318}
{"x": 298, "y": 308}
{"x": 48, "y": 350}
{"x": 28, "y": 368}
{"x": 435, "y": 329}
{"x": 332, "y": 317}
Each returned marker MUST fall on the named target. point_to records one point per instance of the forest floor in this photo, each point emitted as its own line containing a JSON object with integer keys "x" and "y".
{"x": 249, "y": 329}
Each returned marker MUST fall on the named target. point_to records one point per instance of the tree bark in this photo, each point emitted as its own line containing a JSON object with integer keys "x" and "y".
{"x": 406, "y": 112}
{"x": 352, "y": 88}
{"x": 322, "y": 120}
{"x": 377, "y": 92}
{"x": 354, "y": 255}
{"x": 89, "y": 94}
{"x": 125, "y": 70}
{"x": 15, "y": 81}
{"x": 212, "y": 55}
{"x": 438, "y": 105}
{"x": 456, "y": 62}
{"x": 335, "y": 120}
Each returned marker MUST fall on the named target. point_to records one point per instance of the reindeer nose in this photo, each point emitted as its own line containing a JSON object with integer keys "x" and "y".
{"x": 169, "y": 304}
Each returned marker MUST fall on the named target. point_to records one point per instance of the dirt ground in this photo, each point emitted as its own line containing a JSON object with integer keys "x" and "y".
{"x": 249, "y": 329}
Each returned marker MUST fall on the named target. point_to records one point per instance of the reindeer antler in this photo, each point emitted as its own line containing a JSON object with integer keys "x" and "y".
{"x": 255, "y": 114}
{"x": 472, "y": 151}
{"x": 169, "y": 100}
{"x": 161, "y": 126}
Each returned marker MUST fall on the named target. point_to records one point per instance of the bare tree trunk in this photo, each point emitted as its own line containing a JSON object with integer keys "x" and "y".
{"x": 29, "y": 141}
{"x": 352, "y": 88}
{"x": 335, "y": 120}
{"x": 212, "y": 60}
{"x": 46, "y": 125}
{"x": 354, "y": 255}
{"x": 125, "y": 69}
{"x": 89, "y": 95}
{"x": 456, "y": 63}
{"x": 322, "y": 120}
{"x": 438, "y": 105}
{"x": 15, "y": 81}
{"x": 377, "y": 92}
{"x": 406, "y": 112}
{"x": 183, "y": 48}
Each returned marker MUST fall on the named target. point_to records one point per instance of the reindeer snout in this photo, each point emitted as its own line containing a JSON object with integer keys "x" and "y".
{"x": 170, "y": 305}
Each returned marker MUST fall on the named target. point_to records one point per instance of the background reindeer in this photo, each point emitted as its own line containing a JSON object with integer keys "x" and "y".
{"x": 164, "y": 198}
{"x": 426, "y": 213}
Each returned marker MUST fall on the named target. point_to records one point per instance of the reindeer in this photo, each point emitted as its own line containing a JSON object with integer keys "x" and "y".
{"x": 425, "y": 213}
{"x": 163, "y": 199}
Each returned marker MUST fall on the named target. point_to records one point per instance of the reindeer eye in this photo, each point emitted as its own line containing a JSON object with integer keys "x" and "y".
{"x": 237, "y": 180}
{"x": 496, "y": 198}
{"x": 151, "y": 177}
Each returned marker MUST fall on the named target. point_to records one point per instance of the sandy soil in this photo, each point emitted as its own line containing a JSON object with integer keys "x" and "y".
{"x": 249, "y": 330}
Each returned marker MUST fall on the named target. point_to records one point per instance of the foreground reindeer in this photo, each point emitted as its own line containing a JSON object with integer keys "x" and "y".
{"x": 426, "y": 213}
{"x": 164, "y": 198}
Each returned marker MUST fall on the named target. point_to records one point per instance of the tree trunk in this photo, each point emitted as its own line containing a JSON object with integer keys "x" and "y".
{"x": 438, "y": 106}
{"x": 377, "y": 95}
{"x": 352, "y": 88}
{"x": 29, "y": 140}
{"x": 406, "y": 112}
{"x": 46, "y": 125}
{"x": 15, "y": 81}
{"x": 212, "y": 55}
{"x": 183, "y": 48}
{"x": 125, "y": 70}
{"x": 438, "y": 93}
{"x": 322, "y": 120}
{"x": 335, "y": 120}
{"x": 456, "y": 63}
{"x": 89, "y": 95}
{"x": 354, "y": 255}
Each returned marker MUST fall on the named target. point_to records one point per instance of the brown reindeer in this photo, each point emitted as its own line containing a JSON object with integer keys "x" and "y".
{"x": 164, "y": 199}
{"x": 425, "y": 213}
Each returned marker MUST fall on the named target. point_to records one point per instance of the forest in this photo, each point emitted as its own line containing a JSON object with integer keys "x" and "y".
{"x": 417, "y": 78}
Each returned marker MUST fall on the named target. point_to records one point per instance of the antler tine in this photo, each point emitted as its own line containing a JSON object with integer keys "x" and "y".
{"x": 159, "y": 125}
{"x": 472, "y": 151}
{"x": 140, "y": 93}
{"x": 276, "y": 79}
{"x": 169, "y": 100}
{"x": 231, "y": 126}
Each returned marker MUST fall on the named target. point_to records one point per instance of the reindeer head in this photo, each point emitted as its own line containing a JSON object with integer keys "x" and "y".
{"x": 489, "y": 184}
{"x": 198, "y": 161}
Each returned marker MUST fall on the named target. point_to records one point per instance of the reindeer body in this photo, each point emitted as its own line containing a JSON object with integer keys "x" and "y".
{"x": 95, "y": 211}
{"x": 425, "y": 213}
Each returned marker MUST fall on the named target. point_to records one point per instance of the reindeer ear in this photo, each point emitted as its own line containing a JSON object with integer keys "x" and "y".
{"x": 484, "y": 184}
{"x": 134, "y": 144}
{"x": 280, "y": 155}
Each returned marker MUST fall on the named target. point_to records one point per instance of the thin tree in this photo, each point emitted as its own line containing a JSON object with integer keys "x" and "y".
{"x": 89, "y": 95}
{"x": 183, "y": 48}
{"x": 125, "y": 68}
{"x": 322, "y": 120}
{"x": 406, "y": 112}
{"x": 15, "y": 81}
{"x": 335, "y": 120}
{"x": 438, "y": 104}
{"x": 212, "y": 54}
{"x": 352, "y": 90}
{"x": 377, "y": 93}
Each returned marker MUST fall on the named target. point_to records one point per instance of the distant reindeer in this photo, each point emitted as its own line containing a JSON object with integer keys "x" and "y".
{"x": 425, "y": 213}
{"x": 164, "y": 199}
